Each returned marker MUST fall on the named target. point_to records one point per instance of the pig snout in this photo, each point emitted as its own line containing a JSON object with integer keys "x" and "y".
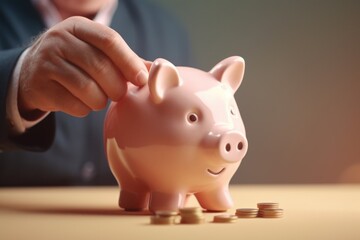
{"x": 232, "y": 146}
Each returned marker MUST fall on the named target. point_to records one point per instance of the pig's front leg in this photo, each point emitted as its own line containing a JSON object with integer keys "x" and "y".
{"x": 131, "y": 200}
{"x": 166, "y": 201}
{"x": 218, "y": 199}
{"x": 134, "y": 195}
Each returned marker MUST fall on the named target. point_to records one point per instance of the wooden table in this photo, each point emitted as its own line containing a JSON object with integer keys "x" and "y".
{"x": 311, "y": 212}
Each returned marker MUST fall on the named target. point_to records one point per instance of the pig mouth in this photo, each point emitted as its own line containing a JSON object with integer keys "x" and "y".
{"x": 215, "y": 173}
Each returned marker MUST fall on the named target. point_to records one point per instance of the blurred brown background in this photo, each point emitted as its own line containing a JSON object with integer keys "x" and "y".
{"x": 300, "y": 99}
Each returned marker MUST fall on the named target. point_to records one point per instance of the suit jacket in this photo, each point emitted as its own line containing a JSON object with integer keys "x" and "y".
{"x": 64, "y": 150}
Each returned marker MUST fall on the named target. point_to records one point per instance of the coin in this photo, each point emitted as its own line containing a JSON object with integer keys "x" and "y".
{"x": 190, "y": 210}
{"x": 191, "y": 215}
{"x": 225, "y": 218}
{"x": 246, "y": 212}
{"x": 267, "y": 205}
{"x": 271, "y": 213}
{"x": 192, "y": 220}
{"x": 165, "y": 213}
{"x": 162, "y": 220}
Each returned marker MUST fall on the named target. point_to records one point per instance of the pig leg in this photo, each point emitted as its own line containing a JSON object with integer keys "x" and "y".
{"x": 131, "y": 200}
{"x": 134, "y": 195}
{"x": 218, "y": 199}
{"x": 166, "y": 201}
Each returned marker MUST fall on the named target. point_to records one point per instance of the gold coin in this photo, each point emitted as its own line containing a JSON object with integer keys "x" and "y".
{"x": 192, "y": 220}
{"x": 272, "y": 216}
{"x": 192, "y": 215}
{"x": 165, "y": 213}
{"x": 246, "y": 212}
{"x": 189, "y": 210}
{"x": 271, "y": 213}
{"x": 225, "y": 218}
{"x": 162, "y": 220}
{"x": 267, "y": 205}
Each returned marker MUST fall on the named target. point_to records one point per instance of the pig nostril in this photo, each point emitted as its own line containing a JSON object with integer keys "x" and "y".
{"x": 228, "y": 147}
{"x": 240, "y": 146}
{"x": 193, "y": 117}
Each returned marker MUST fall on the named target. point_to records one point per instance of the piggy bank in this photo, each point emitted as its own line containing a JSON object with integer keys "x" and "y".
{"x": 180, "y": 134}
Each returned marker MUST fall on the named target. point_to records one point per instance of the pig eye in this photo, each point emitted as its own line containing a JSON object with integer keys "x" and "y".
{"x": 192, "y": 118}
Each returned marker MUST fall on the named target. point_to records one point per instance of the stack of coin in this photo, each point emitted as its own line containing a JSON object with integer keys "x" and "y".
{"x": 164, "y": 217}
{"x": 192, "y": 215}
{"x": 270, "y": 210}
{"x": 267, "y": 205}
{"x": 247, "y": 212}
{"x": 225, "y": 218}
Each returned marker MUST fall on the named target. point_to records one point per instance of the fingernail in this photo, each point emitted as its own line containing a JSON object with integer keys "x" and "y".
{"x": 142, "y": 77}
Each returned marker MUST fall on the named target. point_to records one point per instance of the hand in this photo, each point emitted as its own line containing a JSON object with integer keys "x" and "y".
{"x": 75, "y": 67}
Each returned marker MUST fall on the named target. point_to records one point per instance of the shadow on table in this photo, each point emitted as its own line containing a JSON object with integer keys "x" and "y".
{"x": 68, "y": 210}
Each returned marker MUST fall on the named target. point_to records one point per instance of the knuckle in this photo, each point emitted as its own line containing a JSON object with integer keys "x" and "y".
{"x": 86, "y": 86}
{"x": 52, "y": 44}
{"x": 51, "y": 34}
{"x": 109, "y": 38}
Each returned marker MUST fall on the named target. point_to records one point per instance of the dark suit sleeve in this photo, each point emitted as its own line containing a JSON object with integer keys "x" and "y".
{"x": 37, "y": 138}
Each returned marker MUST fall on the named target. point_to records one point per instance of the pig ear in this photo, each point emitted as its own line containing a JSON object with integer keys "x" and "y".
{"x": 230, "y": 71}
{"x": 162, "y": 77}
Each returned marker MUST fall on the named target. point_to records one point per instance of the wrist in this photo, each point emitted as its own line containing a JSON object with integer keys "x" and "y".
{"x": 20, "y": 116}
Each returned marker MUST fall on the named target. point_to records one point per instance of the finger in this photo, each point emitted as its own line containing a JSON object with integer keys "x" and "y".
{"x": 58, "y": 98}
{"x": 147, "y": 64}
{"x": 112, "y": 45}
{"x": 79, "y": 84}
{"x": 96, "y": 64}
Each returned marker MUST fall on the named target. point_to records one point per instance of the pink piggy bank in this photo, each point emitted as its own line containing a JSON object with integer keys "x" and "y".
{"x": 180, "y": 134}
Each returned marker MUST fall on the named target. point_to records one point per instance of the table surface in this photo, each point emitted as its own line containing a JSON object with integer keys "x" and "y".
{"x": 310, "y": 212}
